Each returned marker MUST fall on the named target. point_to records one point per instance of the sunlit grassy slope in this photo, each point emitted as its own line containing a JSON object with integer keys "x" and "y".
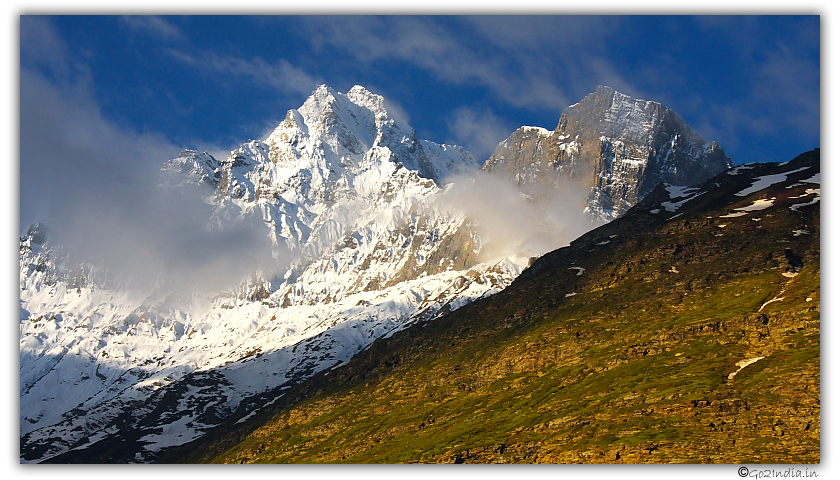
{"x": 634, "y": 360}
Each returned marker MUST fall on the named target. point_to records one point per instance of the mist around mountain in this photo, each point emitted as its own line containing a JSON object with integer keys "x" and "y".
{"x": 217, "y": 286}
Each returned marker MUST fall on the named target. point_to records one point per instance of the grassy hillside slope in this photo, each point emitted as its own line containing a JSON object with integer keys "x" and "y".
{"x": 629, "y": 346}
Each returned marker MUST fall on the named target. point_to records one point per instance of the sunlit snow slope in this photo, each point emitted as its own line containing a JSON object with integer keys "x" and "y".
{"x": 363, "y": 246}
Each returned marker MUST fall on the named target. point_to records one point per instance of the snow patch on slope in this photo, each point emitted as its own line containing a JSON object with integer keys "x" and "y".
{"x": 679, "y": 195}
{"x": 765, "y": 181}
{"x": 759, "y": 204}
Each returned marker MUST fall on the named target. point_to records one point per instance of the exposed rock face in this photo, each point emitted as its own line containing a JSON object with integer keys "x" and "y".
{"x": 617, "y": 146}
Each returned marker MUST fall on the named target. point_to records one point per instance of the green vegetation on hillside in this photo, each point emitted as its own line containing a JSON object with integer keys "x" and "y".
{"x": 636, "y": 360}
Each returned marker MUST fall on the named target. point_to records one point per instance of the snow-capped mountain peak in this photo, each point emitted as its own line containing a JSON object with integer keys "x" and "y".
{"x": 348, "y": 195}
{"x": 339, "y": 128}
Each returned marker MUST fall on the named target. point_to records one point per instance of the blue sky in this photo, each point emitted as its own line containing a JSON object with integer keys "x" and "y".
{"x": 139, "y": 89}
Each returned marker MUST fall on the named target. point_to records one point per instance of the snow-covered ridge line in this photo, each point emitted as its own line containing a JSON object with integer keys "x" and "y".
{"x": 348, "y": 195}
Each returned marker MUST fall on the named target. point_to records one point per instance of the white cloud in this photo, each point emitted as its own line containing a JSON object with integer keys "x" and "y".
{"x": 95, "y": 185}
{"x": 153, "y": 26}
{"x": 527, "y": 80}
{"x": 281, "y": 74}
{"x": 509, "y": 223}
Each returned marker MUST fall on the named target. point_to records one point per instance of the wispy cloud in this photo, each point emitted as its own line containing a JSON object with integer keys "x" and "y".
{"x": 42, "y": 49}
{"x": 152, "y": 25}
{"x": 788, "y": 84}
{"x": 537, "y": 33}
{"x": 510, "y": 224}
{"x": 485, "y": 52}
{"x": 281, "y": 74}
{"x": 95, "y": 186}
{"x": 94, "y": 183}
{"x": 779, "y": 77}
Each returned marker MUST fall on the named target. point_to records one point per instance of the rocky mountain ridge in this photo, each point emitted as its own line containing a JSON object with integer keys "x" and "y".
{"x": 618, "y": 147}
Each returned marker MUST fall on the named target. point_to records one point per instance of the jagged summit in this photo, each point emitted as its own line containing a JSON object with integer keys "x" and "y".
{"x": 617, "y": 146}
{"x": 616, "y": 115}
{"x": 344, "y": 129}
{"x": 331, "y": 137}
{"x": 358, "y": 100}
